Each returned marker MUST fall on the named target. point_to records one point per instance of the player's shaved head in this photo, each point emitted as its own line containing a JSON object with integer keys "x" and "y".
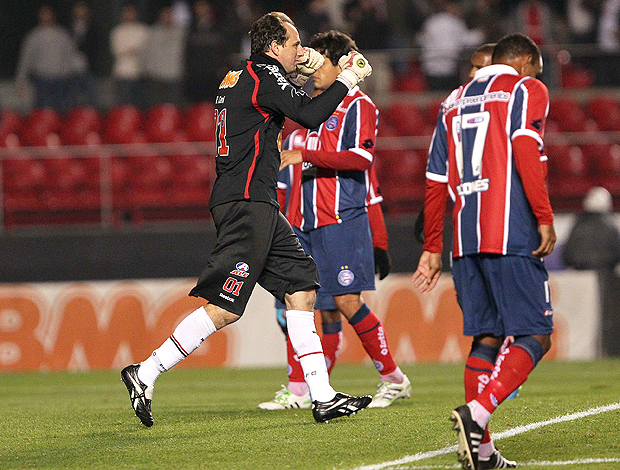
{"x": 514, "y": 46}
{"x": 486, "y": 49}
{"x": 333, "y": 44}
{"x": 481, "y": 58}
{"x": 269, "y": 28}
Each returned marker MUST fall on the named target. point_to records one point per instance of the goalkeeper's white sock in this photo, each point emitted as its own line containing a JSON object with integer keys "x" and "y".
{"x": 307, "y": 345}
{"x": 191, "y": 332}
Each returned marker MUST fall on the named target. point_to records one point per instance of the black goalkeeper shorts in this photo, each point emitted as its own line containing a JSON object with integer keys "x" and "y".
{"x": 255, "y": 243}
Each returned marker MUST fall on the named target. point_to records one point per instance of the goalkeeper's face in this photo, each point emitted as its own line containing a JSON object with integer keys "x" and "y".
{"x": 326, "y": 75}
{"x": 289, "y": 54}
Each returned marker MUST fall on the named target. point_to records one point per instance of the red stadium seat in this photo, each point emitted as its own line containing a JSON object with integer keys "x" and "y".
{"x": 163, "y": 122}
{"x": 8, "y": 139}
{"x": 41, "y": 128}
{"x": 432, "y": 111}
{"x": 82, "y": 127}
{"x": 413, "y": 81}
{"x": 122, "y": 124}
{"x": 568, "y": 114}
{"x": 64, "y": 173}
{"x": 23, "y": 174}
{"x": 150, "y": 171}
{"x": 10, "y": 121}
{"x": 606, "y": 112}
{"x": 402, "y": 176}
{"x": 574, "y": 76}
{"x": 191, "y": 170}
{"x": 407, "y": 119}
{"x": 199, "y": 122}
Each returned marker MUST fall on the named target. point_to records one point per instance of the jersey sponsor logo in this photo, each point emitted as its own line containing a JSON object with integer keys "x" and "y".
{"x": 382, "y": 341}
{"x": 478, "y": 186}
{"x": 225, "y": 297}
{"x": 241, "y": 266}
{"x": 231, "y": 79}
{"x": 281, "y": 79}
{"x": 331, "y": 123}
{"x": 345, "y": 277}
{"x": 241, "y": 269}
{"x": 537, "y": 124}
{"x": 368, "y": 144}
{"x": 478, "y": 99}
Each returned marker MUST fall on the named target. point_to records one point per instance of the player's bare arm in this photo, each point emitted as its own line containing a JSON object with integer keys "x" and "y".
{"x": 548, "y": 239}
{"x": 429, "y": 269}
{"x": 290, "y": 157}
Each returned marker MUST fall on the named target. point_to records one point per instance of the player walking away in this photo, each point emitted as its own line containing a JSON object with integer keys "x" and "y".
{"x": 479, "y": 59}
{"x": 328, "y": 196}
{"x": 487, "y": 152}
{"x": 255, "y": 243}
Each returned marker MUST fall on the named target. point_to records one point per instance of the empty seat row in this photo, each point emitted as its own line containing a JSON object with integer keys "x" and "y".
{"x": 121, "y": 125}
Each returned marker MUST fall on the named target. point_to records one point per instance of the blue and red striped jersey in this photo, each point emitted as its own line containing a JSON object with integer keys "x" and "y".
{"x": 318, "y": 193}
{"x": 472, "y": 151}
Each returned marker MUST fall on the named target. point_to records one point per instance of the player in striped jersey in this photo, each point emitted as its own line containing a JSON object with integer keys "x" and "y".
{"x": 330, "y": 197}
{"x": 487, "y": 152}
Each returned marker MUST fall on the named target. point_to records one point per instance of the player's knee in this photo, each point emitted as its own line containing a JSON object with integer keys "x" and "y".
{"x": 220, "y": 317}
{"x": 330, "y": 316}
{"x": 301, "y": 300}
{"x": 348, "y": 304}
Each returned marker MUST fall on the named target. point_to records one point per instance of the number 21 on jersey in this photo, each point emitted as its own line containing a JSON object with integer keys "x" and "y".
{"x": 220, "y": 133}
{"x": 480, "y": 123}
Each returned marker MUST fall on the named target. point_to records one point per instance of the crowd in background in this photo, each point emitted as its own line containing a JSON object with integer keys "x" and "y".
{"x": 181, "y": 57}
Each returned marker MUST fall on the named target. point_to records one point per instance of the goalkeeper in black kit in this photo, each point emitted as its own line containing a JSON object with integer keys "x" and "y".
{"x": 255, "y": 243}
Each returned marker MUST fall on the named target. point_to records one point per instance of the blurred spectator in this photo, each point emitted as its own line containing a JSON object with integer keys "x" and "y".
{"x": 89, "y": 56}
{"x": 537, "y": 20}
{"x": 314, "y": 19}
{"x": 205, "y": 49}
{"x": 367, "y": 19}
{"x": 484, "y": 16}
{"x": 163, "y": 60}
{"x": 47, "y": 57}
{"x": 126, "y": 42}
{"x": 415, "y": 14}
{"x": 594, "y": 241}
{"x": 237, "y": 23}
{"x": 581, "y": 19}
{"x": 181, "y": 13}
{"x": 443, "y": 37}
{"x": 608, "y": 64}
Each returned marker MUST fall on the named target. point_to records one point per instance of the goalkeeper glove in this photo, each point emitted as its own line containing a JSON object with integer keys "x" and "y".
{"x": 383, "y": 263}
{"x": 309, "y": 63}
{"x": 355, "y": 68}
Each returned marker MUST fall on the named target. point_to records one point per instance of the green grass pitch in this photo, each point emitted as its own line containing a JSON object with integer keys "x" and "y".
{"x": 208, "y": 419}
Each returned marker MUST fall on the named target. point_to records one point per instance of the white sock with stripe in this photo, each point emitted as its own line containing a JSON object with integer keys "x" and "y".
{"x": 307, "y": 346}
{"x": 191, "y": 332}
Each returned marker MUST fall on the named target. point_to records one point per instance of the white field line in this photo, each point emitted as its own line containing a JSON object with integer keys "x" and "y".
{"x": 500, "y": 435}
{"x": 531, "y": 463}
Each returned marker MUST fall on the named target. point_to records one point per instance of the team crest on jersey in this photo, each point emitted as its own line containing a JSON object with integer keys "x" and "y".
{"x": 231, "y": 79}
{"x": 241, "y": 269}
{"x": 345, "y": 277}
{"x": 331, "y": 123}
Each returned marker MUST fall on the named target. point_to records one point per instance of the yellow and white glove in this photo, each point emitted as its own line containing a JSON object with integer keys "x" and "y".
{"x": 309, "y": 63}
{"x": 355, "y": 68}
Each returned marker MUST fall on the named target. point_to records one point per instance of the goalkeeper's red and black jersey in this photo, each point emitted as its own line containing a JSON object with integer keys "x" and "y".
{"x": 250, "y": 108}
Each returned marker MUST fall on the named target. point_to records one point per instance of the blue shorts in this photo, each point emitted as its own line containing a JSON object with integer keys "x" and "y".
{"x": 503, "y": 295}
{"x": 344, "y": 256}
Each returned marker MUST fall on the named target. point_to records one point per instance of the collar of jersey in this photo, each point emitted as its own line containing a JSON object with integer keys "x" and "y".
{"x": 495, "y": 69}
{"x": 261, "y": 58}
